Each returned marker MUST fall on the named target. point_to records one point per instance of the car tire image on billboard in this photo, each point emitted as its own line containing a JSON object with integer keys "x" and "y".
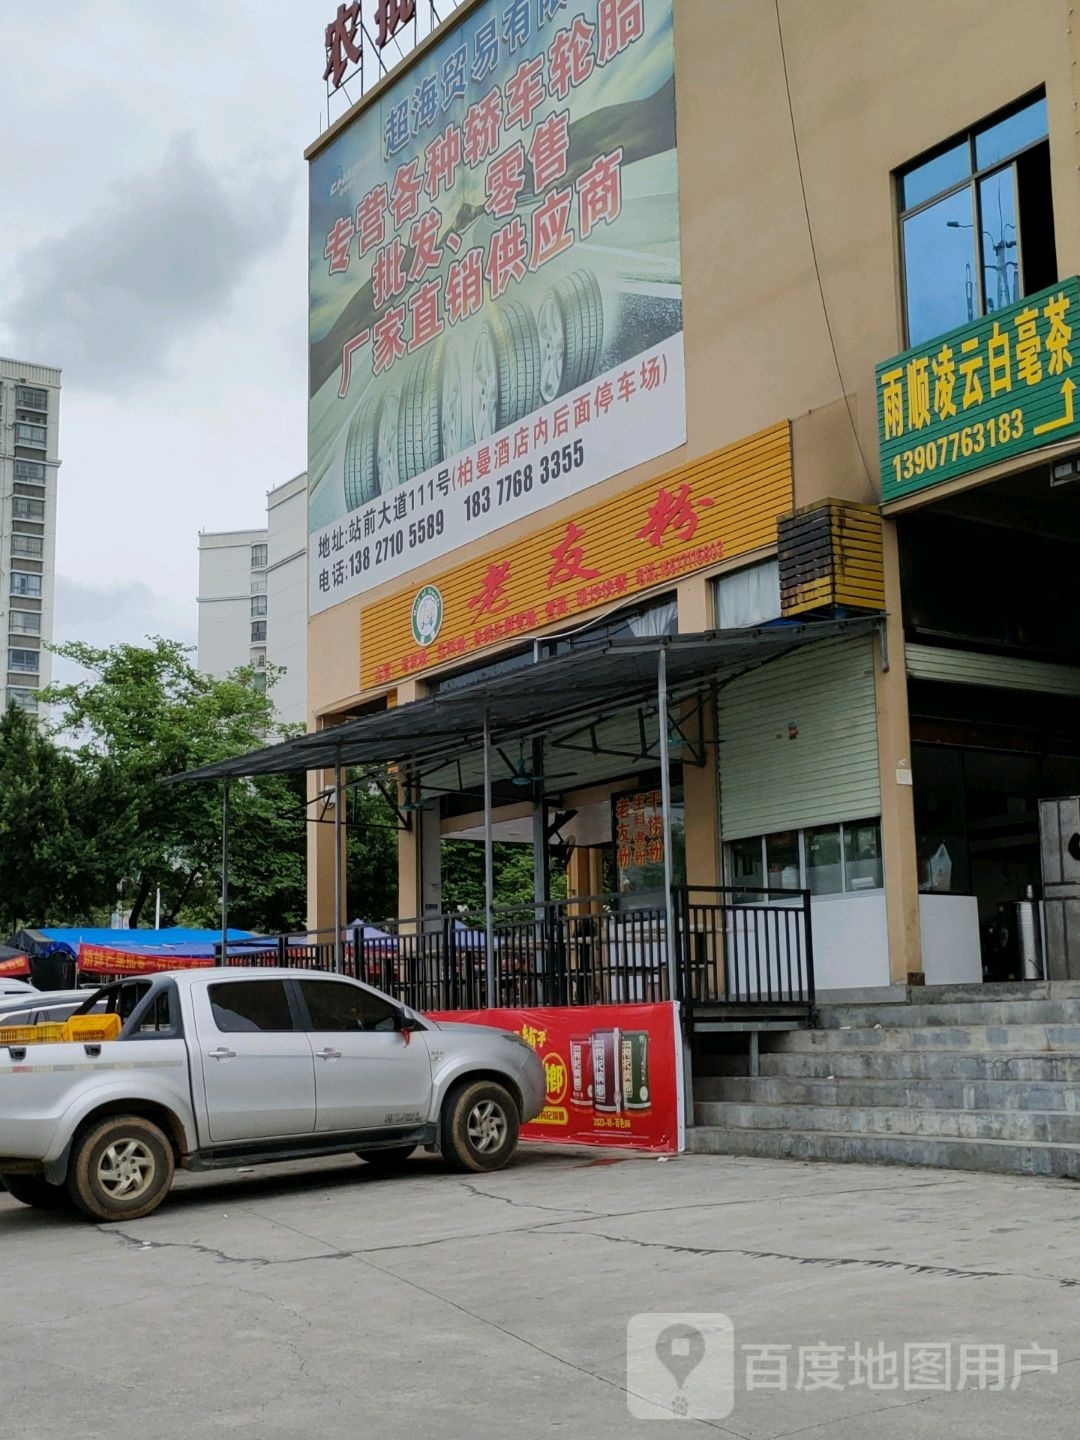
{"x": 505, "y": 370}
{"x": 571, "y": 327}
{"x": 431, "y": 424}
{"x": 371, "y": 451}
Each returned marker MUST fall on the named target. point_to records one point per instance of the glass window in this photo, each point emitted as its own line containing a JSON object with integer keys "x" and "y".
{"x": 258, "y": 630}
{"x": 862, "y": 855}
{"x": 25, "y": 699}
{"x": 24, "y": 508}
{"x": 241, "y": 1005}
{"x": 32, "y": 546}
{"x": 940, "y": 267}
{"x": 258, "y": 556}
{"x": 32, "y": 399}
{"x": 748, "y": 597}
{"x": 933, "y": 176}
{"x": 1001, "y": 269}
{"x": 258, "y": 604}
{"x": 30, "y": 472}
{"x": 25, "y": 584}
{"x": 1016, "y": 132}
{"x": 747, "y": 867}
{"x": 824, "y": 866}
{"x": 782, "y": 860}
{"x": 27, "y": 660}
{"x": 24, "y": 622}
{"x": 981, "y": 240}
{"x": 334, "y": 1005}
{"x": 30, "y": 435}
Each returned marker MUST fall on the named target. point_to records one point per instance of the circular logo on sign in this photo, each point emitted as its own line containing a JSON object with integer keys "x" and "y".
{"x": 427, "y": 613}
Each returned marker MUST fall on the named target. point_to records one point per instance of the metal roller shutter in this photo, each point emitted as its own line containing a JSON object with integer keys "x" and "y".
{"x": 772, "y": 778}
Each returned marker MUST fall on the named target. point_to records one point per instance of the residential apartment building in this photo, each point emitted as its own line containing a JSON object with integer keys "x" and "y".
{"x": 29, "y": 462}
{"x": 253, "y": 597}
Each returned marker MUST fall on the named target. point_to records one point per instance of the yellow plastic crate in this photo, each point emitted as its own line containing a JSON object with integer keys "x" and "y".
{"x": 86, "y": 1029}
{"x": 31, "y": 1034}
{"x": 90, "y": 1027}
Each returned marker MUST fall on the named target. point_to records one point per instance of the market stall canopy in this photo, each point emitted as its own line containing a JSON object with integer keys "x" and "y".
{"x": 591, "y": 682}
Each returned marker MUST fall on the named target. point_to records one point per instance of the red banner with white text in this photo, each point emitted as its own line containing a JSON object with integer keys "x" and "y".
{"x": 614, "y": 1072}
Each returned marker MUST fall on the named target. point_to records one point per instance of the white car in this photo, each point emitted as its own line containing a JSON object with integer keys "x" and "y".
{"x": 215, "y": 1068}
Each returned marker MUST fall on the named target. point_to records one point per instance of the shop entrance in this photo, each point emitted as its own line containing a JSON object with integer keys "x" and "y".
{"x": 991, "y": 584}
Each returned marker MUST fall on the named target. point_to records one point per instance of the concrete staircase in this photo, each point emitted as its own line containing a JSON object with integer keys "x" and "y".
{"x": 961, "y": 1077}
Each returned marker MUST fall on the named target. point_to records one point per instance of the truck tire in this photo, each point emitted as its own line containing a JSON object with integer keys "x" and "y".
{"x": 394, "y": 1158}
{"x": 431, "y": 423}
{"x": 570, "y": 323}
{"x": 120, "y": 1169}
{"x": 506, "y": 370}
{"x": 479, "y": 1126}
{"x": 32, "y": 1190}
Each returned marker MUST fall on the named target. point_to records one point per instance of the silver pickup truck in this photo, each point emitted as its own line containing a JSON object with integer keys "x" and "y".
{"x": 217, "y": 1068}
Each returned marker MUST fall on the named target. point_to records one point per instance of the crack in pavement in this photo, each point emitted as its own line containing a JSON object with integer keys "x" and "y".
{"x": 222, "y": 1256}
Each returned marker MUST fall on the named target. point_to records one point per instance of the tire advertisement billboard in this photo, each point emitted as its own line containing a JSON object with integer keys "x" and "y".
{"x": 496, "y": 299}
{"x": 614, "y": 1072}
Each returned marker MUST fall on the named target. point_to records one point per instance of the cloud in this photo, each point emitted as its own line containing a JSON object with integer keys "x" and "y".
{"x": 124, "y": 613}
{"x": 161, "y": 257}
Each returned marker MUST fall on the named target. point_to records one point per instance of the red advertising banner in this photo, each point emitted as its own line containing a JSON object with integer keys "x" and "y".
{"x": 104, "y": 960}
{"x": 18, "y": 965}
{"x": 614, "y": 1072}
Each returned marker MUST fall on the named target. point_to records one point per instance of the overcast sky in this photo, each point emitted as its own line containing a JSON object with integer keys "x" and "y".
{"x": 154, "y": 248}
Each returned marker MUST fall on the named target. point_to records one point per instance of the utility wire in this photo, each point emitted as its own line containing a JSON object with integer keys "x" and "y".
{"x": 813, "y": 251}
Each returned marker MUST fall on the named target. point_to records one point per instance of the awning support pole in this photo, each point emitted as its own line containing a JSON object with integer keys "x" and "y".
{"x": 491, "y": 965}
{"x": 225, "y": 872}
{"x": 665, "y": 796}
{"x": 339, "y": 800}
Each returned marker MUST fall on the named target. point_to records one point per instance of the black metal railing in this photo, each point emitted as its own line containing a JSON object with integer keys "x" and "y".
{"x": 738, "y": 946}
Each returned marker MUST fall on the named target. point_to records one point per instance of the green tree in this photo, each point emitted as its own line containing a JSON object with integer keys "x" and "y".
{"x": 48, "y": 872}
{"x": 144, "y": 714}
{"x": 371, "y": 872}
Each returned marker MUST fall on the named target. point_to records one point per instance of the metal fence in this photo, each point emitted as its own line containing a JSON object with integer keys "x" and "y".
{"x": 735, "y": 946}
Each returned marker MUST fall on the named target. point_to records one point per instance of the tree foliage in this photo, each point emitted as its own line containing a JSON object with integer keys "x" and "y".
{"x": 144, "y": 714}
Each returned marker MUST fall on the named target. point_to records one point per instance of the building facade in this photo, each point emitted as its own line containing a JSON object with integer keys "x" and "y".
{"x": 253, "y": 597}
{"x": 29, "y": 465}
{"x": 654, "y": 317}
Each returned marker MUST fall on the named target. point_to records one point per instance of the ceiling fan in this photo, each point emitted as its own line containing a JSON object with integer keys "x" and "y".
{"x": 521, "y": 774}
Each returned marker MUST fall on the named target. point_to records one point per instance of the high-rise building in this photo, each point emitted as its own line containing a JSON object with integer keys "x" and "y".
{"x": 29, "y": 426}
{"x": 253, "y": 597}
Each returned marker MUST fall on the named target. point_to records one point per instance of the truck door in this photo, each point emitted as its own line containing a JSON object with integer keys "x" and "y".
{"x": 368, "y": 1074}
{"x": 256, "y": 1062}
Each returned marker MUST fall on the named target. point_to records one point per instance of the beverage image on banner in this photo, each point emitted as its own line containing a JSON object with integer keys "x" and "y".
{"x": 581, "y": 1079}
{"x": 495, "y": 286}
{"x": 634, "y": 1058}
{"x": 607, "y": 1098}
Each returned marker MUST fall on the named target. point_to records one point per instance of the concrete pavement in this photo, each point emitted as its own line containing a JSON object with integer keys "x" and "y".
{"x": 321, "y": 1300}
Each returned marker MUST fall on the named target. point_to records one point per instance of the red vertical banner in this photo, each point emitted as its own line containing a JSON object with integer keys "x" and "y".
{"x": 614, "y": 1073}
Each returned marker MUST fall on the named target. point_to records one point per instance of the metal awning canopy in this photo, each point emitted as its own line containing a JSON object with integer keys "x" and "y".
{"x": 589, "y": 683}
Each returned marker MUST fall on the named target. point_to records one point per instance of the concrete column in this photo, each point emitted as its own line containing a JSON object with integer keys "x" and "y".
{"x": 897, "y": 792}
{"x": 701, "y": 783}
{"x": 410, "y": 842}
{"x": 320, "y": 853}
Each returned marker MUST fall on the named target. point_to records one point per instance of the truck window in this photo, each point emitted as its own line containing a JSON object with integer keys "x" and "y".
{"x": 336, "y": 1006}
{"x": 240, "y": 1005}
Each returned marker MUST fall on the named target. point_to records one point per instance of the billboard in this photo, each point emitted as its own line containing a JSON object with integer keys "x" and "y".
{"x": 614, "y": 1072}
{"x": 496, "y": 299}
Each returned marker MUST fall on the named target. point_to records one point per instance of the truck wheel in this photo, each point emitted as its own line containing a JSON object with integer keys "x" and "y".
{"x": 395, "y": 1158}
{"x": 120, "y": 1169}
{"x": 32, "y": 1190}
{"x": 506, "y": 370}
{"x": 479, "y": 1127}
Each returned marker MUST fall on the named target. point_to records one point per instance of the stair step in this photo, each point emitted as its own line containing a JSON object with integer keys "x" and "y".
{"x": 1030, "y": 1039}
{"x": 923, "y": 1094}
{"x": 925, "y": 1065}
{"x": 997, "y": 1156}
{"x": 1024, "y": 1127}
{"x": 920, "y": 1016}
